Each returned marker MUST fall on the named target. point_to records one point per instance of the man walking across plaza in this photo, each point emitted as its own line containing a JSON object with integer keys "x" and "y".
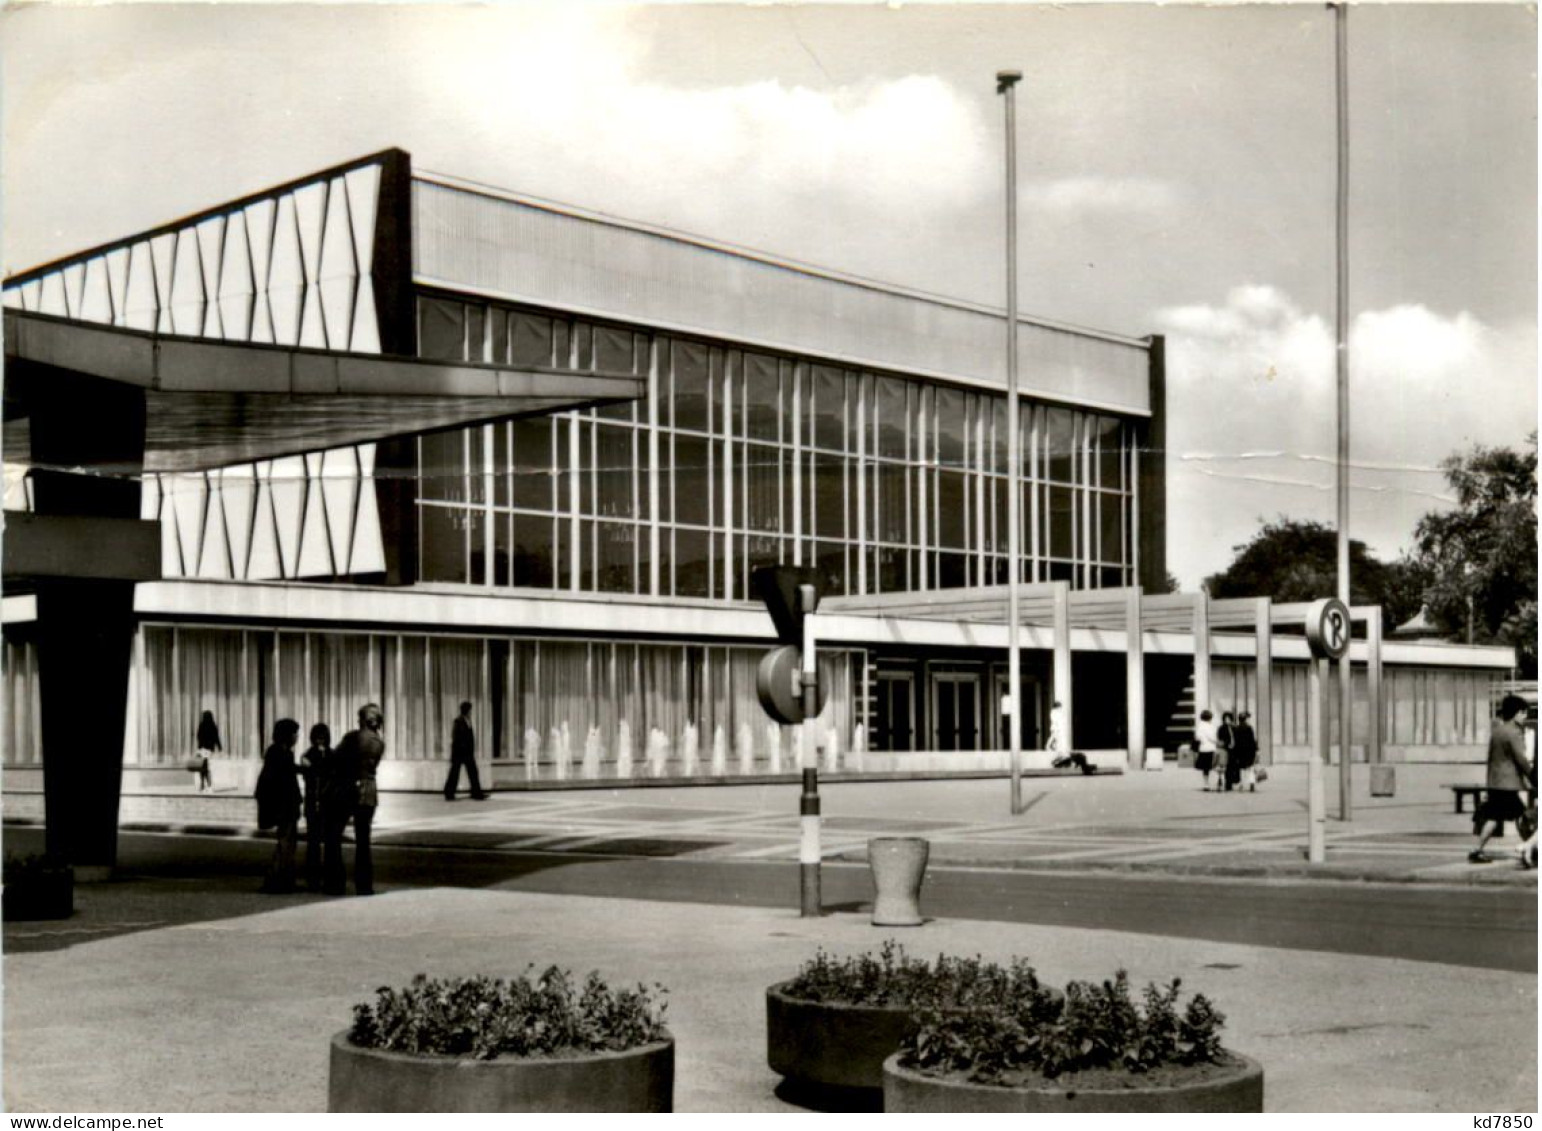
{"x": 463, "y": 747}
{"x": 1508, "y": 772}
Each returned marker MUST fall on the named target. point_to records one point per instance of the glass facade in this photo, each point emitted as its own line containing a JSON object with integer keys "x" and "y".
{"x": 738, "y": 459}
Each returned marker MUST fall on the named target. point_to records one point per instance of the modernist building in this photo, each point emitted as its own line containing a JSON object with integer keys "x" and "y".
{"x": 582, "y": 576}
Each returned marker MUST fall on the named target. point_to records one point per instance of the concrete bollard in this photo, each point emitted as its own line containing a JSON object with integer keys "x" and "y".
{"x": 899, "y": 866}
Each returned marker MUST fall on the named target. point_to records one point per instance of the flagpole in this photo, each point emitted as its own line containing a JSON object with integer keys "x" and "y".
{"x": 1006, "y": 82}
{"x": 1346, "y": 687}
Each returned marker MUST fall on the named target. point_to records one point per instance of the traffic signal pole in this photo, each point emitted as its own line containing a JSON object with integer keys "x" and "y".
{"x": 808, "y": 802}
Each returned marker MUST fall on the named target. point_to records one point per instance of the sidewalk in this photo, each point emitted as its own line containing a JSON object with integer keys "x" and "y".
{"x": 232, "y": 1011}
{"x": 1136, "y": 822}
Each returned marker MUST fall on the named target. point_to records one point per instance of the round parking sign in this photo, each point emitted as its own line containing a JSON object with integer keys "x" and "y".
{"x": 1328, "y": 628}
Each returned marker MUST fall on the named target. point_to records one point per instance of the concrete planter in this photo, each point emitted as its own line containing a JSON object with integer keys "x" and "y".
{"x": 899, "y": 866}
{"x": 1238, "y": 1089}
{"x": 829, "y": 1045}
{"x": 47, "y": 894}
{"x": 640, "y": 1079}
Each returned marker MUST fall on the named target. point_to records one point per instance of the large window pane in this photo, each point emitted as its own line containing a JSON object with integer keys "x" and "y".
{"x": 613, "y": 471}
{"x": 503, "y": 552}
{"x": 892, "y": 503}
{"x": 442, "y": 466}
{"x": 530, "y": 340}
{"x": 441, "y": 329}
{"x": 829, "y": 409}
{"x": 532, "y": 468}
{"x": 1109, "y": 508}
{"x": 1058, "y": 438}
{"x": 1060, "y": 522}
{"x": 535, "y": 559}
{"x": 692, "y": 399}
{"x": 476, "y": 478}
{"x": 952, "y": 571}
{"x": 443, "y": 543}
{"x": 890, "y": 425}
{"x": 1109, "y": 429}
{"x": 830, "y": 562}
{"x": 950, "y": 427}
{"x": 476, "y": 333}
{"x": 952, "y": 507}
{"x": 763, "y": 483}
{"x": 613, "y": 351}
{"x": 692, "y": 563}
{"x": 614, "y": 550}
{"x": 693, "y": 480}
{"x": 761, "y": 397}
{"x": 829, "y": 493}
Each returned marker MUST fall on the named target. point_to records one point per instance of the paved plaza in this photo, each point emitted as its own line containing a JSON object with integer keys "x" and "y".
{"x": 1148, "y": 820}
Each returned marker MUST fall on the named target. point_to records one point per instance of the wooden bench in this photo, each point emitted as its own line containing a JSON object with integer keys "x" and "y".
{"x": 1462, "y": 792}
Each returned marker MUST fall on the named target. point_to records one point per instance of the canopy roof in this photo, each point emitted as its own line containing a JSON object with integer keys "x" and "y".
{"x": 213, "y": 403}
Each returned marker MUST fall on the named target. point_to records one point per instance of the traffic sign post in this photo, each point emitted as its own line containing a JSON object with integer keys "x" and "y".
{"x": 1328, "y": 631}
{"x": 790, "y": 690}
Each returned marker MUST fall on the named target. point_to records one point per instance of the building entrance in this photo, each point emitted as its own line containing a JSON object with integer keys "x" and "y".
{"x": 955, "y": 711}
{"x": 895, "y": 720}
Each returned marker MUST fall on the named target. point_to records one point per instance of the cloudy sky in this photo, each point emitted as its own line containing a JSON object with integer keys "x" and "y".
{"x": 1176, "y": 164}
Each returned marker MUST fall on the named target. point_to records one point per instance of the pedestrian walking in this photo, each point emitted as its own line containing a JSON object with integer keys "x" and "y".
{"x": 1508, "y": 773}
{"x": 1056, "y": 742}
{"x": 208, "y": 740}
{"x": 312, "y": 769}
{"x": 1244, "y": 753}
{"x": 1204, "y": 745}
{"x": 278, "y": 804}
{"x": 1225, "y": 736}
{"x": 359, "y": 755}
{"x": 463, "y": 753}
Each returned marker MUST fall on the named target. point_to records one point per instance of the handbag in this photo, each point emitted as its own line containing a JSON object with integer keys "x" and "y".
{"x": 196, "y": 764}
{"x": 1261, "y": 773}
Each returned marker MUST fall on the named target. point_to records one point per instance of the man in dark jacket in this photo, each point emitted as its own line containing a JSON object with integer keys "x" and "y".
{"x": 1244, "y": 751}
{"x": 463, "y": 753}
{"x": 348, "y": 791}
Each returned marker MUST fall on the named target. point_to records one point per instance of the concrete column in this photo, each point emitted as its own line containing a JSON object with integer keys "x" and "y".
{"x": 1373, "y": 752}
{"x": 85, "y": 627}
{"x": 1062, "y": 673}
{"x": 1134, "y": 681}
{"x": 1201, "y": 631}
{"x": 1263, "y": 643}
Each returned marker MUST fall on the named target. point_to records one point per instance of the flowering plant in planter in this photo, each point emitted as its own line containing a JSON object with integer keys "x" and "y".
{"x": 1094, "y": 1048}
{"x": 893, "y": 978}
{"x": 539, "y": 1042}
{"x": 481, "y": 1018}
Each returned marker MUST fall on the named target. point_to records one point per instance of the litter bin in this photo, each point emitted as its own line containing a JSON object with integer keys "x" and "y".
{"x": 1383, "y": 780}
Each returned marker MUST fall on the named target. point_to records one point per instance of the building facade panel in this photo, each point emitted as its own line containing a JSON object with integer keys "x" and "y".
{"x": 523, "y": 251}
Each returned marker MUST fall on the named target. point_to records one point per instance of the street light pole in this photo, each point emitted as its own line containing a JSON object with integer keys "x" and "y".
{"x": 1346, "y": 687}
{"x": 1006, "y": 81}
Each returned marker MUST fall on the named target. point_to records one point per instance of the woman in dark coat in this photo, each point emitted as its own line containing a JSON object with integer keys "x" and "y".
{"x": 313, "y": 768}
{"x": 1244, "y": 751}
{"x": 208, "y": 744}
{"x": 278, "y": 804}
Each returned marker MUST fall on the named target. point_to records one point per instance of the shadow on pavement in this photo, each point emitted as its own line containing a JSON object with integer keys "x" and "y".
{"x": 172, "y": 881}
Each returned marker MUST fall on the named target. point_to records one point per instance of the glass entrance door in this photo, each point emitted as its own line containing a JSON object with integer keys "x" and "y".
{"x": 955, "y": 711}
{"x": 1032, "y": 697}
{"x": 894, "y": 725}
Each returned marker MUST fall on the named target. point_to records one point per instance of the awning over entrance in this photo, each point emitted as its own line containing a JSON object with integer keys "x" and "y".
{"x": 217, "y": 403}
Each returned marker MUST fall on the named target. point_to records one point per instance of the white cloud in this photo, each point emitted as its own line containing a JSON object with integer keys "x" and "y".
{"x": 1252, "y": 416}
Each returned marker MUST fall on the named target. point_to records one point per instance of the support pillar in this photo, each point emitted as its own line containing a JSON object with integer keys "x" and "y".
{"x": 1062, "y": 673}
{"x": 1134, "y": 682}
{"x": 1373, "y": 752}
{"x": 1201, "y": 629}
{"x": 1263, "y": 638}
{"x": 85, "y": 626}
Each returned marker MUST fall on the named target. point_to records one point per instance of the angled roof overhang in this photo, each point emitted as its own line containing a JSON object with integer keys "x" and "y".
{"x": 213, "y": 403}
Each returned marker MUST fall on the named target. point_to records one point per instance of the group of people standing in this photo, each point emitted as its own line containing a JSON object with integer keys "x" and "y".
{"x": 1229, "y": 750}
{"x": 338, "y": 787}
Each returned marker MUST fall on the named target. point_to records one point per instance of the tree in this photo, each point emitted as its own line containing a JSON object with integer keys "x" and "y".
{"x": 1480, "y": 560}
{"x": 1294, "y": 560}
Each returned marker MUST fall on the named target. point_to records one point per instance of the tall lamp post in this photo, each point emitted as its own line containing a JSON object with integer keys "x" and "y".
{"x": 1006, "y": 81}
{"x": 1346, "y": 688}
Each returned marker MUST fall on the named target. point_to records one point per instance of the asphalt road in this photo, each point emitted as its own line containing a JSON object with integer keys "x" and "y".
{"x": 1494, "y": 928}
